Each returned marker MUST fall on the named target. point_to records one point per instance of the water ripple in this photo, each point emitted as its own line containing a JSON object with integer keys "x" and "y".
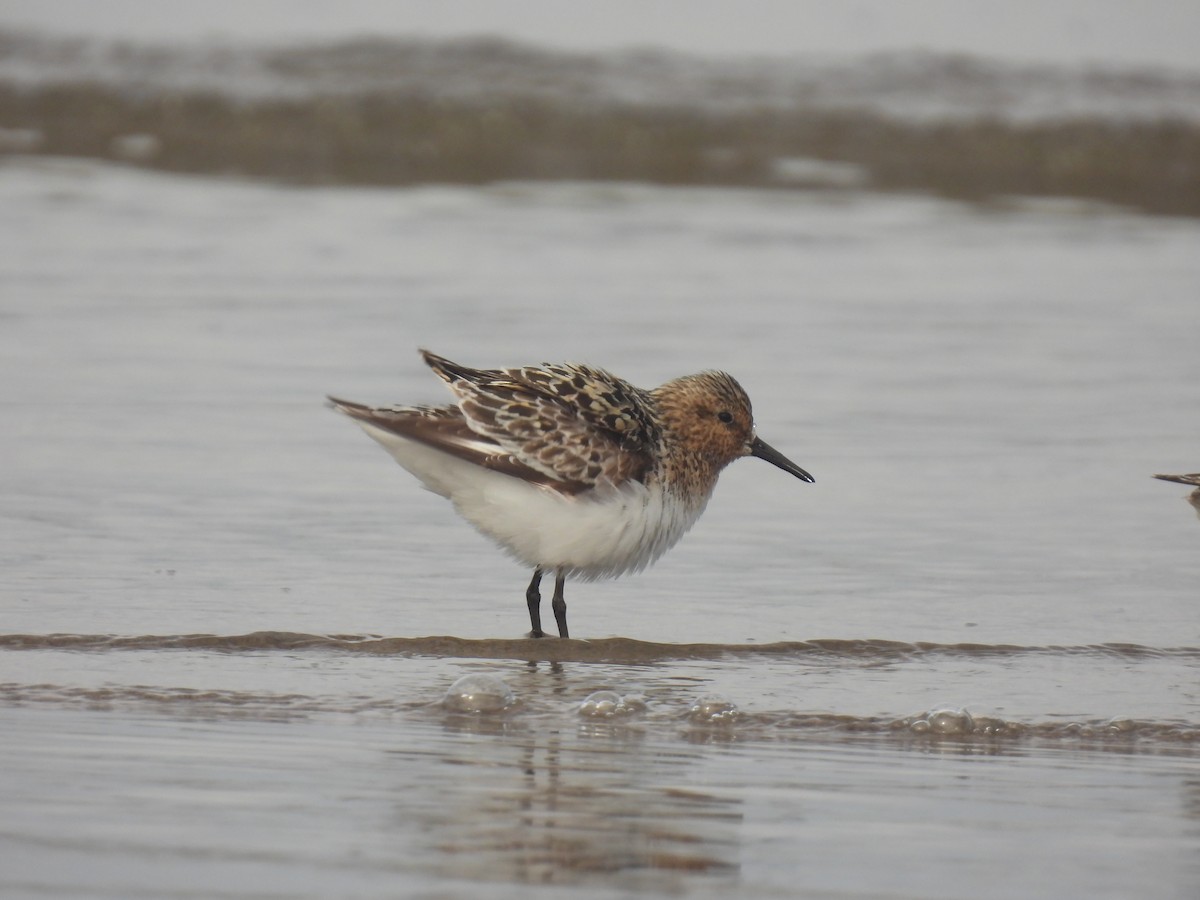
{"x": 607, "y": 650}
{"x": 709, "y": 716}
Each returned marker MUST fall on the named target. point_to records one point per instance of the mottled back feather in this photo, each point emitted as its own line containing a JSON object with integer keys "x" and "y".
{"x": 574, "y": 424}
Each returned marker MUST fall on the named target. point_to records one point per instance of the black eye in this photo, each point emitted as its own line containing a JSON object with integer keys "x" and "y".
{"x": 725, "y": 416}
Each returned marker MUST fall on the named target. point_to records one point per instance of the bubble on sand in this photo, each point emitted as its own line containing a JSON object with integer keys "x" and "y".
{"x": 713, "y": 710}
{"x": 943, "y": 721}
{"x": 611, "y": 705}
{"x": 479, "y": 694}
{"x": 1116, "y": 726}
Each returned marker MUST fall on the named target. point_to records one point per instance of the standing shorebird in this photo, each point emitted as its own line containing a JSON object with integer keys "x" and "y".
{"x": 1194, "y": 497}
{"x": 568, "y": 467}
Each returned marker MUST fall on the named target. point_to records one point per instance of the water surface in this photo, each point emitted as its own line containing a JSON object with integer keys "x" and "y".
{"x": 961, "y": 664}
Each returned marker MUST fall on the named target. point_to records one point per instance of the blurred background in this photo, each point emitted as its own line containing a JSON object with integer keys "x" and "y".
{"x": 1092, "y": 100}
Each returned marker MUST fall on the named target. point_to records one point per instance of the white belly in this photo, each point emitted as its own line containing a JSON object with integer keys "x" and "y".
{"x": 601, "y": 533}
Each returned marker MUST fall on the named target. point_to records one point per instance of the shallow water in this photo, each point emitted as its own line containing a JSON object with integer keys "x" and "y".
{"x": 962, "y": 664}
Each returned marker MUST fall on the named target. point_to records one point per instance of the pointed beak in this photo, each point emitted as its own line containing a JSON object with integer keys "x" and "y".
{"x": 765, "y": 451}
{"x": 1181, "y": 479}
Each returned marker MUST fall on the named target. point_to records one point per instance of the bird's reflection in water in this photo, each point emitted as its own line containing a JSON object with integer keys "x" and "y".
{"x": 565, "y": 801}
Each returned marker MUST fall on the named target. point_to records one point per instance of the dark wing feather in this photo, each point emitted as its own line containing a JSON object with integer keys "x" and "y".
{"x": 445, "y": 428}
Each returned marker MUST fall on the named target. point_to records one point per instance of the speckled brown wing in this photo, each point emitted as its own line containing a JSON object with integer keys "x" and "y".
{"x": 445, "y": 428}
{"x": 576, "y": 424}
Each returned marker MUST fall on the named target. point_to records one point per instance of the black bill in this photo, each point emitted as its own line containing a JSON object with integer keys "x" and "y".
{"x": 765, "y": 451}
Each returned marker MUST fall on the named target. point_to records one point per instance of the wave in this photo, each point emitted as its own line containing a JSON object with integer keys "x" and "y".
{"x": 708, "y": 719}
{"x": 603, "y": 650}
{"x": 705, "y": 721}
{"x": 903, "y": 126}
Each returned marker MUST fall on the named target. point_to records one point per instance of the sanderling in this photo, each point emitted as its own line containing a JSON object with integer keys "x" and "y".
{"x": 568, "y": 467}
{"x": 1194, "y": 497}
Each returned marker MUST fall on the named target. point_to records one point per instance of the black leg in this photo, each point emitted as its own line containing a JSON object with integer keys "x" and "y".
{"x": 559, "y": 605}
{"x": 533, "y": 598}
